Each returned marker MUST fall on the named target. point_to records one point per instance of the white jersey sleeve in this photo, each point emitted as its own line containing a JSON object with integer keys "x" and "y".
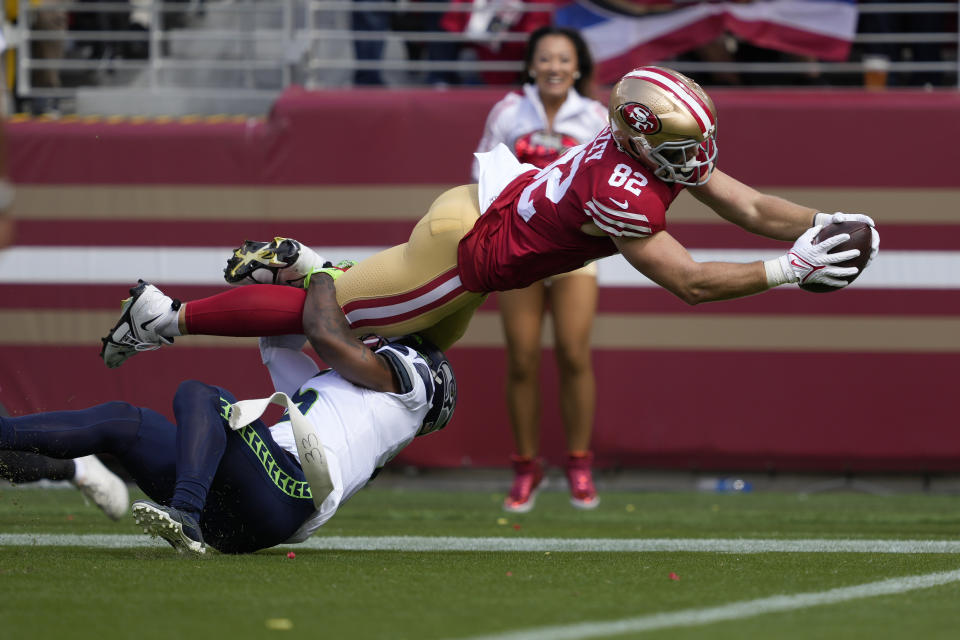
{"x": 288, "y": 365}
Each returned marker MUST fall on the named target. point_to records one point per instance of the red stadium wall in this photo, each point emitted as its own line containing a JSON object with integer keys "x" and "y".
{"x": 856, "y": 380}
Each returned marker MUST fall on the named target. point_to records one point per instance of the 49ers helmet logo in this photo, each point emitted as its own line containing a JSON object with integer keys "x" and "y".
{"x": 640, "y": 118}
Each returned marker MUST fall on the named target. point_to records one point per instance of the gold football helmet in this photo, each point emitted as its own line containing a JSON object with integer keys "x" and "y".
{"x": 665, "y": 119}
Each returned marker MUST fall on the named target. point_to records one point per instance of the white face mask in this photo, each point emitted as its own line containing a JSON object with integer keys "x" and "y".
{"x": 685, "y": 162}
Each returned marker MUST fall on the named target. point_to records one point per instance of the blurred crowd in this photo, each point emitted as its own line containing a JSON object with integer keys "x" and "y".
{"x": 877, "y": 56}
{"x": 489, "y": 19}
{"x": 50, "y": 25}
{"x": 483, "y": 27}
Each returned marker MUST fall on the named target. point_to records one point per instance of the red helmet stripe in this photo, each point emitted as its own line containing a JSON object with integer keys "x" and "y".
{"x": 690, "y": 93}
{"x": 668, "y": 82}
{"x": 696, "y": 116}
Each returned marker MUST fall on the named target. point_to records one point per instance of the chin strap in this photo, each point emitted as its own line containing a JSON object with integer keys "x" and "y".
{"x": 313, "y": 459}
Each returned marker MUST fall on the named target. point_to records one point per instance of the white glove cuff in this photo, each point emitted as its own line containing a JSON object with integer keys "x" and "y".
{"x": 822, "y": 219}
{"x": 779, "y": 271}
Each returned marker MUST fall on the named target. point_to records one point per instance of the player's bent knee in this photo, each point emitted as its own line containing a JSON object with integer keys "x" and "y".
{"x": 194, "y": 386}
{"x": 194, "y": 391}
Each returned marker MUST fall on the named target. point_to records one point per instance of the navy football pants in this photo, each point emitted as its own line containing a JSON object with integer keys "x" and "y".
{"x": 250, "y": 493}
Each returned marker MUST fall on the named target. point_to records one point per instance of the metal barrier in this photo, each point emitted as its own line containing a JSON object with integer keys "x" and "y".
{"x": 238, "y": 51}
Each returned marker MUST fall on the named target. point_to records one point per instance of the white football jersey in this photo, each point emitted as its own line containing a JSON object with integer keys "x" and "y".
{"x": 520, "y": 122}
{"x": 360, "y": 429}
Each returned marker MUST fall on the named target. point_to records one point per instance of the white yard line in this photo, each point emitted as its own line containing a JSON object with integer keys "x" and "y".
{"x": 104, "y": 541}
{"x": 732, "y": 611}
{"x": 616, "y": 545}
{"x": 604, "y": 628}
{"x": 609, "y": 545}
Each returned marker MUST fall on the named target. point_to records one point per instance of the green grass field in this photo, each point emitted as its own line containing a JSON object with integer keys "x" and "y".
{"x": 521, "y": 584}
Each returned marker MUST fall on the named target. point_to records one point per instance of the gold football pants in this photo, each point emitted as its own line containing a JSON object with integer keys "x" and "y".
{"x": 415, "y": 287}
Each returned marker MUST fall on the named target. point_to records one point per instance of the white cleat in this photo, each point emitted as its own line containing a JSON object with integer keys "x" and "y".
{"x": 281, "y": 261}
{"x": 103, "y": 487}
{"x": 137, "y": 328}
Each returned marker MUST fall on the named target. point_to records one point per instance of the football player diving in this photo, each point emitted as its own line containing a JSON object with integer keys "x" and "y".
{"x": 221, "y": 477}
{"x": 519, "y": 225}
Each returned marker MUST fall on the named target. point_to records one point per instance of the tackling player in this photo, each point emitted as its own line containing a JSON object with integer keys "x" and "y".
{"x": 240, "y": 489}
{"x": 520, "y": 225}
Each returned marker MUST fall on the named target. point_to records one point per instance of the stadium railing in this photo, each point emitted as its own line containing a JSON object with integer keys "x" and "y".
{"x": 243, "y": 50}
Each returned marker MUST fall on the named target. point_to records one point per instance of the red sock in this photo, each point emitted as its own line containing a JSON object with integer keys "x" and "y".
{"x": 251, "y": 310}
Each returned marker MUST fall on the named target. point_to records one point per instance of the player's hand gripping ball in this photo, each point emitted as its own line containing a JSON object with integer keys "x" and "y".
{"x": 860, "y": 238}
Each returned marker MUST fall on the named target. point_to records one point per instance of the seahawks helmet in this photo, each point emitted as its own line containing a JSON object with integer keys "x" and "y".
{"x": 437, "y": 377}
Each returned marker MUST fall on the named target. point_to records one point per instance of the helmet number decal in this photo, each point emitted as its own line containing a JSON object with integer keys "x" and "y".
{"x": 640, "y": 117}
{"x": 624, "y": 176}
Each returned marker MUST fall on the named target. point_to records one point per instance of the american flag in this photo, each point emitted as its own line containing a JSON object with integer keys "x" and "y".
{"x": 622, "y": 37}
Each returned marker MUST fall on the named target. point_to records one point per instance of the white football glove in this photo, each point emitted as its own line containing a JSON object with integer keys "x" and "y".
{"x": 823, "y": 219}
{"x": 808, "y": 263}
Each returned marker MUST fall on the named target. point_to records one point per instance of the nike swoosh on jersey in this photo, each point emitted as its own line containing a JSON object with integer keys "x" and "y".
{"x": 622, "y": 205}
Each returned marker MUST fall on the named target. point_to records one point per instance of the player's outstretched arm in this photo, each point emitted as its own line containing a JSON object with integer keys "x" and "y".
{"x": 665, "y": 261}
{"x": 329, "y": 334}
{"x": 768, "y": 215}
{"x": 757, "y": 212}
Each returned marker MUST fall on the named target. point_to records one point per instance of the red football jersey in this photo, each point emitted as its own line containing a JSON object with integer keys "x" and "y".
{"x": 561, "y": 217}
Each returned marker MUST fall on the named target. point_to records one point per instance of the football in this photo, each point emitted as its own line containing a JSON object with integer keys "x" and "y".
{"x": 860, "y": 238}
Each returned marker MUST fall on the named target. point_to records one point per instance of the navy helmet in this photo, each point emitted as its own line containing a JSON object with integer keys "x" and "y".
{"x": 437, "y": 377}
